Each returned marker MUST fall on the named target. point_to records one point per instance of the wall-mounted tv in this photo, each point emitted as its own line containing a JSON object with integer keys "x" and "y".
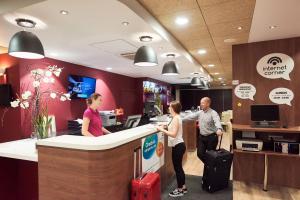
{"x": 81, "y": 87}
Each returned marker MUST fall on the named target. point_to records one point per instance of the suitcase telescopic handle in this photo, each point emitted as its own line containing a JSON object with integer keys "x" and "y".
{"x": 137, "y": 151}
{"x": 220, "y": 142}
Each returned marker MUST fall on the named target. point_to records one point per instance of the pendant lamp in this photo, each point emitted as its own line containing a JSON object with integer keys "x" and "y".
{"x": 145, "y": 57}
{"x": 196, "y": 81}
{"x": 170, "y": 68}
{"x": 25, "y": 44}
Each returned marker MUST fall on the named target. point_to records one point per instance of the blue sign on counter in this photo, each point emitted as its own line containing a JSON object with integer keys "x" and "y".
{"x": 149, "y": 146}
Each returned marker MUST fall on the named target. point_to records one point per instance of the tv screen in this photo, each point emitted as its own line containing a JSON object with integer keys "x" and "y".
{"x": 81, "y": 87}
{"x": 265, "y": 113}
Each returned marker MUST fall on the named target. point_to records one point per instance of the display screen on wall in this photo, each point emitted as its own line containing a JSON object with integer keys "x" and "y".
{"x": 81, "y": 87}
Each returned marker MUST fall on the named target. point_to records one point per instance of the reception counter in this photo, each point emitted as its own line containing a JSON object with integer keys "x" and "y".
{"x": 76, "y": 167}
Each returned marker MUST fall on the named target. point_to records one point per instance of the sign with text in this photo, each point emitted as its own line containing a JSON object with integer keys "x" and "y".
{"x": 153, "y": 151}
{"x": 245, "y": 91}
{"x": 281, "y": 96}
{"x": 275, "y": 65}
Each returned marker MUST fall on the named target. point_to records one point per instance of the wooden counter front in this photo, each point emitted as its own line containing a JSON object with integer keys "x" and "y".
{"x": 71, "y": 174}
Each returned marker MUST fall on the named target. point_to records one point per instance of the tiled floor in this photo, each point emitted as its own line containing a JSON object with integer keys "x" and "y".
{"x": 241, "y": 190}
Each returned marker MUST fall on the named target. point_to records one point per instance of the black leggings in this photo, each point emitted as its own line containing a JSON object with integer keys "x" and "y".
{"x": 177, "y": 155}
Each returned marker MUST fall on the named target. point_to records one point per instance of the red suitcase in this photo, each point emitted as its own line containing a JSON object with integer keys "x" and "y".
{"x": 145, "y": 186}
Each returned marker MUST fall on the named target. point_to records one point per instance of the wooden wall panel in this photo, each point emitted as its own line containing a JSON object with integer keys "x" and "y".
{"x": 190, "y": 135}
{"x": 245, "y": 58}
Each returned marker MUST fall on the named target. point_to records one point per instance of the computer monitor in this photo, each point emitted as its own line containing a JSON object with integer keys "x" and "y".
{"x": 132, "y": 121}
{"x": 264, "y": 113}
{"x": 149, "y": 108}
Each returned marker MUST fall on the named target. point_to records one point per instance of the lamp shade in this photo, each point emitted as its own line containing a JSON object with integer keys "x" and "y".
{"x": 196, "y": 81}
{"x": 25, "y": 44}
{"x": 145, "y": 57}
{"x": 170, "y": 68}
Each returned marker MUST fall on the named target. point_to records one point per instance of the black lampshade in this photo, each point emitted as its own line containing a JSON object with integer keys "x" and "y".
{"x": 170, "y": 68}
{"x": 25, "y": 44}
{"x": 145, "y": 57}
{"x": 196, "y": 81}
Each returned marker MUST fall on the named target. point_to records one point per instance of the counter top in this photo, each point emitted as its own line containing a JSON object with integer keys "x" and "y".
{"x": 20, "y": 149}
{"x": 98, "y": 143}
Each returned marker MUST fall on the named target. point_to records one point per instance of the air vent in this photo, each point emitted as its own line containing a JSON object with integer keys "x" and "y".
{"x": 116, "y": 47}
{"x": 129, "y": 56}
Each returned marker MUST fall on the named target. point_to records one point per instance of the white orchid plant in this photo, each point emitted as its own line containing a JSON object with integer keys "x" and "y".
{"x": 33, "y": 100}
{"x": 40, "y": 76}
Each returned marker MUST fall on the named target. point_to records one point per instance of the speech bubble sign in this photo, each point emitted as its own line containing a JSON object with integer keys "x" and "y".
{"x": 275, "y": 65}
{"x": 281, "y": 96}
{"x": 245, "y": 91}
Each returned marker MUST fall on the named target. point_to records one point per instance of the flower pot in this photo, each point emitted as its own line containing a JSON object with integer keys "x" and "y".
{"x": 42, "y": 131}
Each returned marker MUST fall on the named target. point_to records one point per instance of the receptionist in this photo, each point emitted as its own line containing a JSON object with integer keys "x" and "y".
{"x": 92, "y": 123}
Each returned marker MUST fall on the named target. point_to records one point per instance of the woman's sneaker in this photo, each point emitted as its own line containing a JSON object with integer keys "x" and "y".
{"x": 176, "y": 193}
{"x": 185, "y": 190}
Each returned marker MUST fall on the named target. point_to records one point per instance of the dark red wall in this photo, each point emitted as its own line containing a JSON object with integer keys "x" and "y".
{"x": 117, "y": 91}
{"x": 12, "y": 126}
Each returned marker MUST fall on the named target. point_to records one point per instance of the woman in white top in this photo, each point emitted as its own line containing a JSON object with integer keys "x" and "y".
{"x": 175, "y": 141}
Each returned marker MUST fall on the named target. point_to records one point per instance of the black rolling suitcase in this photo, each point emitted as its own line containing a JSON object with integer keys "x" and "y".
{"x": 217, "y": 169}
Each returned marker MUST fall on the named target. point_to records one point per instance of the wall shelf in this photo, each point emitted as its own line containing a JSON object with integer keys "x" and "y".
{"x": 269, "y": 153}
{"x": 266, "y": 167}
{"x": 241, "y": 127}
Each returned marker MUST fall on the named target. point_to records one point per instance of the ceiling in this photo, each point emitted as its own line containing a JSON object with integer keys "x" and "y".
{"x": 210, "y": 23}
{"x": 93, "y": 35}
{"x": 11, "y": 5}
{"x": 285, "y": 15}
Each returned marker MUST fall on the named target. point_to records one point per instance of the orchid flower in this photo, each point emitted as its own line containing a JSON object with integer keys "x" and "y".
{"x": 36, "y": 84}
{"x": 53, "y": 95}
{"x": 15, "y": 103}
{"x": 26, "y": 95}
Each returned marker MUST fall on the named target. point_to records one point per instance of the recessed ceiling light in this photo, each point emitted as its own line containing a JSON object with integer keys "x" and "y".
{"x": 196, "y": 73}
{"x": 202, "y": 51}
{"x": 216, "y": 73}
{"x": 229, "y": 40}
{"x": 223, "y": 84}
{"x": 220, "y": 78}
{"x": 125, "y": 23}
{"x": 181, "y": 21}
{"x": 211, "y": 65}
{"x": 26, "y": 23}
{"x": 64, "y": 12}
{"x": 272, "y": 27}
{"x": 171, "y": 55}
{"x": 108, "y": 68}
{"x": 239, "y": 27}
{"x": 146, "y": 38}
